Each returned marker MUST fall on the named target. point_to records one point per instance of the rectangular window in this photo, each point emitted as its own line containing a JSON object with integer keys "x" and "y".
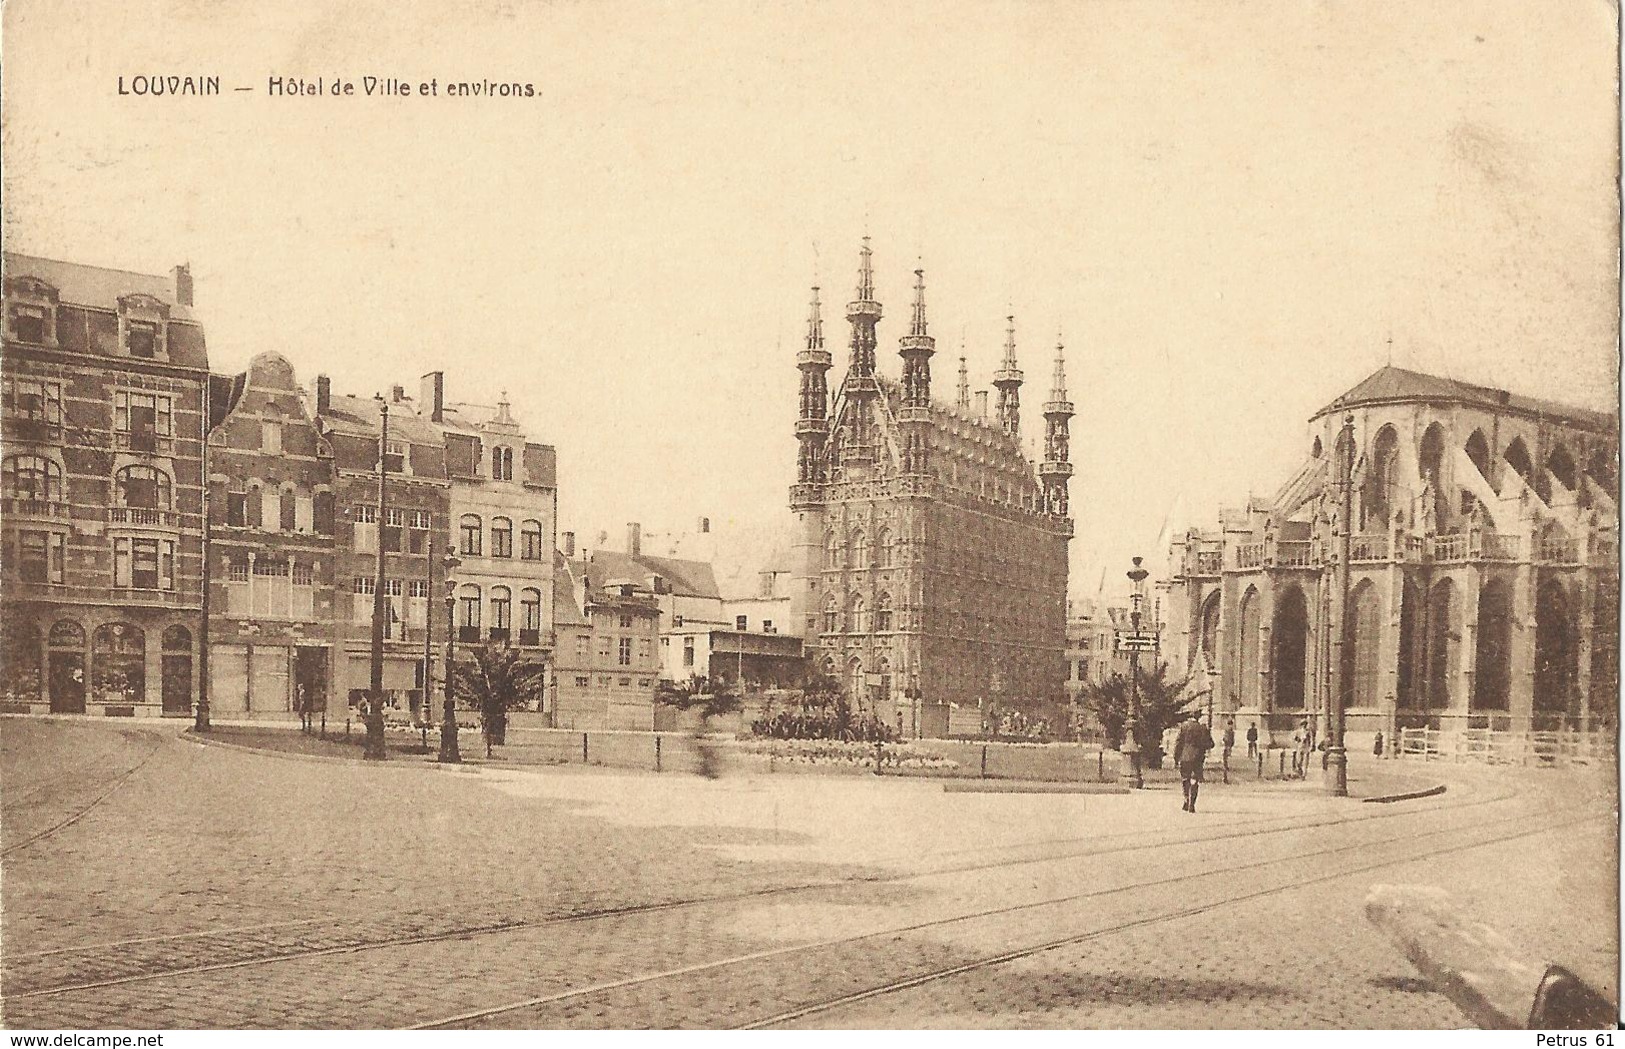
{"x": 688, "y": 651}
{"x": 366, "y": 528}
{"x": 625, "y": 682}
{"x": 644, "y": 651}
{"x": 363, "y": 584}
{"x": 741, "y": 622}
{"x": 141, "y": 339}
{"x": 143, "y": 421}
{"x": 394, "y": 523}
{"x": 271, "y": 436}
{"x": 395, "y": 457}
{"x": 626, "y": 622}
{"x": 28, "y": 324}
{"x": 582, "y": 681}
{"x": 644, "y": 682}
{"x": 144, "y": 564}
{"x": 767, "y": 626}
{"x": 471, "y": 611}
{"x": 501, "y": 539}
{"x": 603, "y": 648}
{"x": 289, "y": 517}
{"x": 36, "y": 403}
{"x": 33, "y": 556}
{"x": 624, "y": 655}
{"x": 531, "y": 539}
{"x": 418, "y": 588}
{"x": 471, "y": 531}
{"x": 392, "y": 588}
{"x": 501, "y": 613}
{"x": 237, "y": 571}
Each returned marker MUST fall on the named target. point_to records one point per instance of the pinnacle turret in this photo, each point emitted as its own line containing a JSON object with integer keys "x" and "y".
{"x": 963, "y": 401}
{"x": 815, "y": 323}
{"x": 1057, "y": 391}
{"x": 1008, "y": 382}
{"x": 1056, "y": 468}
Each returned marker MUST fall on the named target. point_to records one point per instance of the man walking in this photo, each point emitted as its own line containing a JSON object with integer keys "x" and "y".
{"x": 1229, "y": 738}
{"x": 1252, "y": 741}
{"x": 1190, "y": 752}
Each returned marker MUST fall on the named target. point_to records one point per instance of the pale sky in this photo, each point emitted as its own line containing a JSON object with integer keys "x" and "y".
{"x": 1228, "y": 209}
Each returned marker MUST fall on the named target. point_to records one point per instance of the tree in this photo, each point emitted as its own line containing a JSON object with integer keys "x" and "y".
{"x": 712, "y": 699}
{"x": 495, "y": 680}
{"x": 1162, "y": 700}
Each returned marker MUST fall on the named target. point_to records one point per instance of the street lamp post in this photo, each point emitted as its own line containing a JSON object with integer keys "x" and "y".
{"x": 448, "y": 726}
{"x": 1337, "y": 770}
{"x": 1131, "y": 725}
{"x": 376, "y": 750}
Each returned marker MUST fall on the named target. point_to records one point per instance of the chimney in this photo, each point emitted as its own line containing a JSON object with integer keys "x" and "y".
{"x": 183, "y": 283}
{"x": 432, "y": 396}
{"x": 603, "y": 537}
{"x": 705, "y": 525}
{"x": 324, "y": 395}
{"x": 569, "y": 544}
{"x": 397, "y": 394}
{"x": 981, "y": 404}
{"x": 634, "y": 538}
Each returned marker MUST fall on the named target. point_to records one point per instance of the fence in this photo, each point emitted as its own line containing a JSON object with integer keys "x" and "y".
{"x": 1492, "y": 747}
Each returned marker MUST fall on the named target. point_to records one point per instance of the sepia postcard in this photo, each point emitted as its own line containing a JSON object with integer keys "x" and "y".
{"x": 733, "y": 515}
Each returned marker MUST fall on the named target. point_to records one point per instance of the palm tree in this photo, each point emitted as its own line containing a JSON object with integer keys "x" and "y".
{"x": 495, "y": 680}
{"x": 1163, "y": 702}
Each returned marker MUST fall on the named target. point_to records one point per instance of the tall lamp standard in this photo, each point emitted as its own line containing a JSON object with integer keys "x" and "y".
{"x": 376, "y": 750}
{"x": 1131, "y": 742}
{"x": 1337, "y": 767}
{"x": 449, "y": 754}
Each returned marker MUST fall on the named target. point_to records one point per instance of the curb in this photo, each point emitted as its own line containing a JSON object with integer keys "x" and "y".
{"x": 1385, "y": 799}
{"x": 192, "y": 736}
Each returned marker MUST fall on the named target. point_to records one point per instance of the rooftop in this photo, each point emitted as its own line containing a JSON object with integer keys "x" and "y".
{"x": 1389, "y": 384}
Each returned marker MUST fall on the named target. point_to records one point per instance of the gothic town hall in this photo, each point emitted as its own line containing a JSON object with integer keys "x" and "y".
{"x": 930, "y": 556}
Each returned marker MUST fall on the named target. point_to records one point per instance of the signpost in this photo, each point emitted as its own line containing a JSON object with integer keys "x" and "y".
{"x": 1136, "y": 641}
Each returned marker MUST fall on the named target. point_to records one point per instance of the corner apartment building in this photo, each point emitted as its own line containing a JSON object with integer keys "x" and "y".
{"x": 106, "y": 378}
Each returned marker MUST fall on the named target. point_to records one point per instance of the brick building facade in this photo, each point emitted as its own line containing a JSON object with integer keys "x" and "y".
{"x": 105, "y": 404}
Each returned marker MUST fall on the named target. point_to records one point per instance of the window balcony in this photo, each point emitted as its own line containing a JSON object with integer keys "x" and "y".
{"x": 499, "y": 635}
{"x": 531, "y": 638}
{"x": 1498, "y": 547}
{"x": 1293, "y": 553}
{"x": 468, "y": 635}
{"x": 143, "y": 516}
{"x": 19, "y": 506}
{"x": 148, "y": 441}
{"x": 1373, "y": 547}
{"x": 1250, "y": 555}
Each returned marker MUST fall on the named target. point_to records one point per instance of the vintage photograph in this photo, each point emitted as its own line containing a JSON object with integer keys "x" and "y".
{"x": 617, "y": 515}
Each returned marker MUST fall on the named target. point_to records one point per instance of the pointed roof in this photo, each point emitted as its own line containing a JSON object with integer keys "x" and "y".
{"x": 963, "y": 401}
{"x": 815, "y": 322}
{"x": 1389, "y": 384}
{"x": 1058, "y": 382}
{"x": 917, "y": 323}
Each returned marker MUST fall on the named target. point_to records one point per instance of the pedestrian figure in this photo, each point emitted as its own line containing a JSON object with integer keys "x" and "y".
{"x": 1306, "y": 743}
{"x": 1229, "y": 738}
{"x": 1252, "y": 741}
{"x": 303, "y": 703}
{"x": 1376, "y": 748}
{"x": 1190, "y": 753}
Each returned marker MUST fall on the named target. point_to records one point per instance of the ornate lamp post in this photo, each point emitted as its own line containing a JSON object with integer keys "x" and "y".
{"x": 1131, "y": 725}
{"x": 449, "y": 754}
{"x": 1337, "y": 778}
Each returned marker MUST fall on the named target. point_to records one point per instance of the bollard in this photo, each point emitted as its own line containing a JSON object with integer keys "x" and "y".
{"x": 1261, "y": 764}
{"x": 657, "y": 753}
{"x": 1227, "y": 766}
{"x": 1283, "y": 764}
{"x": 1102, "y": 773}
{"x": 984, "y": 761}
{"x": 879, "y": 746}
{"x": 324, "y": 724}
{"x": 346, "y": 728}
{"x": 583, "y": 748}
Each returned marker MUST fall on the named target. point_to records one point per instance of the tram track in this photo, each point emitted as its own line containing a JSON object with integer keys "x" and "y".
{"x": 111, "y": 785}
{"x": 1085, "y": 847}
{"x": 787, "y": 951}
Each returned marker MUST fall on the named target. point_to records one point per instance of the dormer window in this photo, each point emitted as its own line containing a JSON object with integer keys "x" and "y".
{"x": 141, "y": 339}
{"x": 395, "y": 456}
{"x": 501, "y": 464}
{"x": 28, "y": 324}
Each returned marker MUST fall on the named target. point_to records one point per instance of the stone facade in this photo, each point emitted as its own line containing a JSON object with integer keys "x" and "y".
{"x": 1483, "y": 569}
{"x": 106, "y": 386}
{"x": 930, "y": 559}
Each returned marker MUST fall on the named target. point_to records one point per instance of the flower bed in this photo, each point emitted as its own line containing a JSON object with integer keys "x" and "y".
{"x": 831, "y": 752}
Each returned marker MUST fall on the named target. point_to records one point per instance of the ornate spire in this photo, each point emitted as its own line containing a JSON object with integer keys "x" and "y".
{"x": 1058, "y": 384}
{"x": 964, "y": 383}
{"x": 917, "y": 327}
{"x": 866, "y": 273}
{"x": 1009, "y": 345}
{"x": 1007, "y": 380}
{"x": 815, "y": 323}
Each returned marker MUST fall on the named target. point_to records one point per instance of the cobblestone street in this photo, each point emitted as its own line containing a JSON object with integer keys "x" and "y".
{"x": 154, "y": 882}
